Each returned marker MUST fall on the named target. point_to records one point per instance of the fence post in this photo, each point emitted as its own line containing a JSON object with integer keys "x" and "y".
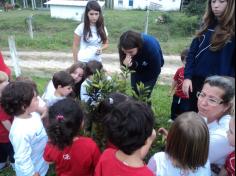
{"x": 13, "y": 52}
{"x": 30, "y": 27}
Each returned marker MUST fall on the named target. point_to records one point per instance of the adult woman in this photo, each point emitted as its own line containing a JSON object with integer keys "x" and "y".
{"x": 214, "y": 104}
{"x": 141, "y": 53}
{"x": 91, "y": 35}
{"x": 212, "y": 51}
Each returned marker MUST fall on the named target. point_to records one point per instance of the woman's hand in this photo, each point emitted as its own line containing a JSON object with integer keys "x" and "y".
{"x": 187, "y": 87}
{"x": 128, "y": 61}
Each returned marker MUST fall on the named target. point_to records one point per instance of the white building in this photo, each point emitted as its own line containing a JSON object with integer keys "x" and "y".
{"x": 163, "y": 5}
{"x": 68, "y": 9}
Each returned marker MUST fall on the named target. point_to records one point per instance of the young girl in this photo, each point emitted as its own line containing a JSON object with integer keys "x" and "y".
{"x": 27, "y": 133}
{"x": 91, "y": 35}
{"x": 212, "y": 51}
{"x": 186, "y": 150}
{"x": 72, "y": 154}
{"x": 229, "y": 168}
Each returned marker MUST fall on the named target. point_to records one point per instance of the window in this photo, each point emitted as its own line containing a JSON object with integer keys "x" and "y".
{"x": 131, "y": 3}
{"x": 120, "y": 3}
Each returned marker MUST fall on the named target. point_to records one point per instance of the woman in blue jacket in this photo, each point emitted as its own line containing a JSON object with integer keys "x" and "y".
{"x": 142, "y": 54}
{"x": 212, "y": 51}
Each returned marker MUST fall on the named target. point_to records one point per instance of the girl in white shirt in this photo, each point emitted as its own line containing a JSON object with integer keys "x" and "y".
{"x": 91, "y": 35}
{"x": 186, "y": 150}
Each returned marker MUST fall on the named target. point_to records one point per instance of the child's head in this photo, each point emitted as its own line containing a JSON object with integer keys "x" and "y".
{"x": 110, "y": 102}
{"x": 92, "y": 67}
{"x": 4, "y": 80}
{"x": 65, "y": 121}
{"x": 129, "y": 125}
{"x": 231, "y": 132}
{"x": 63, "y": 82}
{"x": 19, "y": 98}
{"x": 183, "y": 55}
{"x": 28, "y": 80}
{"x": 188, "y": 141}
{"x": 77, "y": 71}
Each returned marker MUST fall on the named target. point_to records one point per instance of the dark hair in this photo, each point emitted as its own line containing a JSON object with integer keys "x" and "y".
{"x": 225, "y": 29}
{"x": 65, "y": 119}
{"x": 16, "y": 97}
{"x": 129, "y": 125}
{"x": 110, "y": 102}
{"x": 92, "y": 67}
{"x": 76, "y": 65}
{"x": 129, "y": 40}
{"x": 94, "y": 5}
{"x": 184, "y": 54}
{"x": 227, "y": 84}
{"x": 188, "y": 141}
{"x": 63, "y": 79}
{"x": 28, "y": 80}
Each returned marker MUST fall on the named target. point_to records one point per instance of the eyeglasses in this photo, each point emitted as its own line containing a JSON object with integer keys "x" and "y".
{"x": 210, "y": 101}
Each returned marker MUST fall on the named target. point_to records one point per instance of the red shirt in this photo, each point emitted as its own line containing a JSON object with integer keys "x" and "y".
{"x": 230, "y": 164}
{"x": 4, "y": 133}
{"x": 179, "y": 78}
{"x": 109, "y": 165}
{"x": 79, "y": 159}
{"x": 3, "y": 66}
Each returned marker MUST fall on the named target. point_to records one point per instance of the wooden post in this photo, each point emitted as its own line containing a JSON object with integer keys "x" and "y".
{"x": 12, "y": 47}
{"x": 30, "y": 27}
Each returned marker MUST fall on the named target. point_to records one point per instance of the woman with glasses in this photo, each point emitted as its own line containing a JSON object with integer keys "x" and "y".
{"x": 215, "y": 105}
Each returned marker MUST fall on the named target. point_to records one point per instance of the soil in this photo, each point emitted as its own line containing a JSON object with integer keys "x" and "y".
{"x": 44, "y": 64}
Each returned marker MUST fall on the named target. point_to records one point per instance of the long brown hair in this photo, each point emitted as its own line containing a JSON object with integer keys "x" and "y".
{"x": 93, "y": 5}
{"x": 225, "y": 29}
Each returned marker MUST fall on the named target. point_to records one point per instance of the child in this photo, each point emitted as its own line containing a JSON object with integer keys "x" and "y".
{"x": 229, "y": 168}
{"x": 73, "y": 155}
{"x": 91, "y": 35}
{"x": 91, "y": 68}
{"x": 129, "y": 127}
{"x": 180, "y": 102}
{"x": 6, "y": 149}
{"x": 212, "y": 50}
{"x": 4, "y": 67}
{"x": 186, "y": 150}
{"x": 27, "y": 133}
{"x": 63, "y": 83}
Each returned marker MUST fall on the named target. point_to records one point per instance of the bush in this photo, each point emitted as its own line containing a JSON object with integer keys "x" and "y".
{"x": 196, "y": 7}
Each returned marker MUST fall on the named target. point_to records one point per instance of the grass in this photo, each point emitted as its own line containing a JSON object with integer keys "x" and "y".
{"x": 161, "y": 107}
{"x": 57, "y": 34}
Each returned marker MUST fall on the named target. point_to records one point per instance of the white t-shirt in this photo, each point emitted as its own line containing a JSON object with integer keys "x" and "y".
{"x": 219, "y": 145}
{"x": 49, "y": 91}
{"x": 87, "y": 51}
{"x": 29, "y": 139}
{"x": 164, "y": 167}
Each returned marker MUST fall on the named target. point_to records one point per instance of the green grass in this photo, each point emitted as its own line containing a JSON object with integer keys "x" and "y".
{"x": 57, "y": 34}
{"x": 161, "y": 107}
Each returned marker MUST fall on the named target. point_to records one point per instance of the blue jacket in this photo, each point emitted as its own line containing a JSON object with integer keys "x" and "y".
{"x": 203, "y": 62}
{"x": 148, "y": 61}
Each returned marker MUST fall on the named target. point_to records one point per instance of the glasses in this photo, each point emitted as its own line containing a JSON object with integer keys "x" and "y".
{"x": 210, "y": 101}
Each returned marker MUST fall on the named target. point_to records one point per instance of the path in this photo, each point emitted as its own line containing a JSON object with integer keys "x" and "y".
{"x": 46, "y": 63}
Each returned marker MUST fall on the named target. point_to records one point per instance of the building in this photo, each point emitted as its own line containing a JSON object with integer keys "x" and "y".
{"x": 163, "y": 5}
{"x": 68, "y": 9}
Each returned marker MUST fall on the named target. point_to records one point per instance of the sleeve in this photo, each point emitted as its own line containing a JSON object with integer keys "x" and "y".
{"x": 152, "y": 165}
{"x": 176, "y": 75}
{"x": 48, "y": 153}
{"x": 188, "y": 71}
{"x": 83, "y": 92}
{"x": 3, "y": 115}
{"x": 79, "y": 30}
{"x": 22, "y": 149}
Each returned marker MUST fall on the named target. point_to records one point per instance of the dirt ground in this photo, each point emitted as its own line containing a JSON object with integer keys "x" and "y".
{"x": 44, "y": 64}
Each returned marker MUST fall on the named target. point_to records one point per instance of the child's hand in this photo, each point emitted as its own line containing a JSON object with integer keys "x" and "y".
{"x": 163, "y": 132}
{"x": 128, "y": 61}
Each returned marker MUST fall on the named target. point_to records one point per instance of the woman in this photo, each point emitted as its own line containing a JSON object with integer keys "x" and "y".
{"x": 141, "y": 53}
{"x": 215, "y": 105}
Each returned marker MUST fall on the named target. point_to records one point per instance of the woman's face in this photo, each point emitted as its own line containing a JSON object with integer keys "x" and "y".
{"x": 218, "y": 7}
{"x": 78, "y": 75}
{"x": 210, "y": 103}
{"x": 93, "y": 16}
{"x": 130, "y": 52}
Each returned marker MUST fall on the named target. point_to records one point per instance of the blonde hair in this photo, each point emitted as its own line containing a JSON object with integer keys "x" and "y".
{"x": 3, "y": 77}
{"x": 225, "y": 29}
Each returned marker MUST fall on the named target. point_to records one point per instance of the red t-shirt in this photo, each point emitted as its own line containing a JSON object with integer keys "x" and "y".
{"x": 3, "y": 66}
{"x": 4, "y": 133}
{"x": 230, "y": 164}
{"x": 79, "y": 159}
{"x": 109, "y": 165}
{"x": 179, "y": 78}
